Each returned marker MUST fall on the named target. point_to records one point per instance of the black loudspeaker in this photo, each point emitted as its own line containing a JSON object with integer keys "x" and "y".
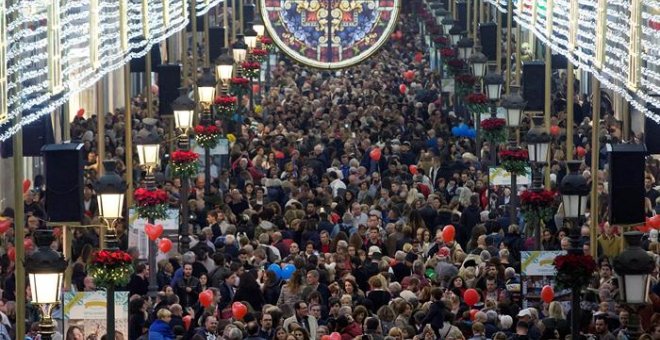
{"x": 169, "y": 81}
{"x": 248, "y": 14}
{"x": 217, "y": 39}
{"x": 138, "y": 65}
{"x": 651, "y": 131}
{"x": 488, "y": 38}
{"x": 626, "y": 183}
{"x": 462, "y": 9}
{"x": 533, "y": 84}
{"x": 35, "y": 136}
{"x": 64, "y": 182}
{"x": 559, "y": 61}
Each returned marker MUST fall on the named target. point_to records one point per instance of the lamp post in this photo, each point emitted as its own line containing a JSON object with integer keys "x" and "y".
{"x": 148, "y": 148}
{"x": 206, "y": 87}
{"x": 633, "y": 267}
{"x": 514, "y": 106}
{"x": 45, "y": 269}
{"x": 184, "y": 113}
{"x": 493, "y": 84}
{"x": 574, "y": 192}
{"x": 447, "y": 23}
{"x": 251, "y": 42}
{"x": 110, "y": 191}
{"x": 538, "y": 147}
{"x": 258, "y": 26}
{"x": 455, "y": 33}
{"x": 465, "y": 47}
{"x": 239, "y": 50}
{"x": 478, "y": 61}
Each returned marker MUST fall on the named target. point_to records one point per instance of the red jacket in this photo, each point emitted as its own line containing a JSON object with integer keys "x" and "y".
{"x": 352, "y": 331}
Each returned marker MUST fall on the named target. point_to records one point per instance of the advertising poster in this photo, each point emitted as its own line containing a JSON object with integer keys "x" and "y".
{"x": 85, "y": 313}
{"x": 538, "y": 271}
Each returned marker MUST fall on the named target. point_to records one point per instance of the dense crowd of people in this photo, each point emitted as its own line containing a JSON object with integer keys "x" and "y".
{"x": 365, "y": 235}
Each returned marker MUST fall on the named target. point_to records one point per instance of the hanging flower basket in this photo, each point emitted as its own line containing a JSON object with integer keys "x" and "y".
{"x": 537, "y": 206}
{"x": 239, "y": 86}
{"x": 259, "y": 54}
{"x": 207, "y": 136}
{"x": 455, "y": 66}
{"x": 477, "y": 103}
{"x": 226, "y": 105}
{"x": 493, "y": 129}
{"x": 184, "y": 164}
{"x": 464, "y": 84}
{"x": 267, "y": 43}
{"x": 251, "y": 69}
{"x": 514, "y": 161}
{"x": 151, "y": 204}
{"x": 574, "y": 271}
{"x": 447, "y": 53}
{"x": 111, "y": 268}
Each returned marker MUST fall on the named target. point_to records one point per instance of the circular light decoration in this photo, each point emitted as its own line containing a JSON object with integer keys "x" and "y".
{"x": 330, "y": 34}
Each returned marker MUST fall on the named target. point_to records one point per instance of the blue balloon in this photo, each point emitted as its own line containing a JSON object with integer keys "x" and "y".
{"x": 455, "y": 131}
{"x": 472, "y": 133}
{"x": 275, "y": 268}
{"x": 287, "y": 271}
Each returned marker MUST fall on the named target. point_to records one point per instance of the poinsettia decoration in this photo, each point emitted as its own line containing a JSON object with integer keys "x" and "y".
{"x": 574, "y": 270}
{"x": 151, "y": 204}
{"x": 251, "y": 69}
{"x": 267, "y": 43}
{"x": 110, "y": 267}
{"x": 477, "y": 103}
{"x": 239, "y": 86}
{"x": 464, "y": 84}
{"x": 447, "y": 53}
{"x": 259, "y": 54}
{"x": 514, "y": 161}
{"x": 441, "y": 41}
{"x": 537, "y": 205}
{"x": 184, "y": 163}
{"x": 226, "y": 105}
{"x": 207, "y": 136}
{"x": 493, "y": 129}
{"x": 455, "y": 66}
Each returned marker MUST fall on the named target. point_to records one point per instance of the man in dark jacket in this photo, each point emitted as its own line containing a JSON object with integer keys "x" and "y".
{"x": 469, "y": 218}
{"x": 188, "y": 288}
{"x": 436, "y": 314}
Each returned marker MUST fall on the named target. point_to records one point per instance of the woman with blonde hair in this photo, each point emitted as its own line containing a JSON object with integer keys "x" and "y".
{"x": 555, "y": 322}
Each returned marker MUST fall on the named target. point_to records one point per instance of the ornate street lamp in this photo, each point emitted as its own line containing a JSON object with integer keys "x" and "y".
{"x": 493, "y": 83}
{"x": 184, "y": 113}
{"x": 440, "y": 15}
{"x": 447, "y": 23}
{"x": 515, "y": 106}
{"x": 258, "y": 26}
{"x": 538, "y": 145}
{"x": 455, "y": 32}
{"x": 45, "y": 270}
{"x": 478, "y": 61}
{"x": 206, "y": 88}
{"x": 633, "y": 267}
{"x": 250, "y": 36}
{"x": 110, "y": 192}
{"x": 239, "y": 49}
{"x": 574, "y": 193}
{"x": 148, "y": 147}
{"x": 224, "y": 68}
{"x": 465, "y": 46}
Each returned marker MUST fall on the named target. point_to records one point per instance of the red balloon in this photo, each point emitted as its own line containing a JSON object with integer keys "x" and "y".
{"x": 335, "y": 336}
{"x": 165, "y": 245}
{"x": 238, "y": 310}
{"x": 580, "y": 151}
{"x": 187, "y": 320}
{"x": 5, "y": 225}
{"x": 398, "y": 35}
{"x": 547, "y": 294}
{"x": 418, "y": 57}
{"x": 80, "y": 113}
{"x": 409, "y": 75}
{"x": 473, "y": 313}
{"x": 471, "y": 297}
{"x": 413, "y": 169}
{"x": 279, "y": 155}
{"x": 26, "y": 185}
{"x": 403, "y": 88}
{"x": 375, "y": 154}
{"x": 11, "y": 254}
{"x": 206, "y": 297}
{"x": 654, "y": 222}
{"x": 256, "y": 88}
{"x": 448, "y": 233}
{"x": 153, "y": 231}
{"x": 28, "y": 244}
{"x": 555, "y": 130}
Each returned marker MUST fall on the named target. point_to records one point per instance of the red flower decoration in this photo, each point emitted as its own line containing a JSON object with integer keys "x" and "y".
{"x": 456, "y": 64}
{"x": 144, "y": 197}
{"x": 181, "y": 156}
{"x": 266, "y": 40}
{"x": 259, "y": 52}
{"x": 538, "y": 199}
{"x": 225, "y": 100}
{"x": 476, "y": 98}
{"x": 465, "y": 80}
{"x": 493, "y": 123}
{"x": 514, "y": 155}
{"x": 447, "y": 53}
{"x": 240, "y": 81}
{"x": 111, "y": 258}
{"x": 250, "y": 65}
{"x": 441, "y": 40}
{"x": 206, "y": 130}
